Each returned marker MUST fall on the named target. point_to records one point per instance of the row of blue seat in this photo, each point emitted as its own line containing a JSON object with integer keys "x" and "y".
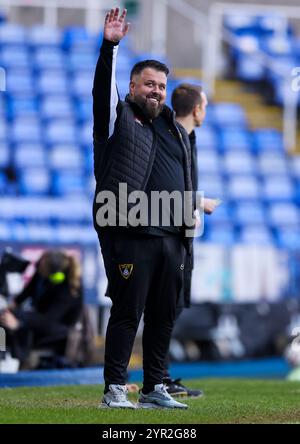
{"x": 78, "y": 208}
{"x": 63, "y": 125}
{"x": 285, "y": 237}
{"x": 76, "y": 157}
{"x": 59, "y": 180}
{"x": 41, "y": 35}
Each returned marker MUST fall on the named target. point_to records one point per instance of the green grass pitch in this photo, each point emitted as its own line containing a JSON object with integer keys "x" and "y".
{"x": 225, "y": 401}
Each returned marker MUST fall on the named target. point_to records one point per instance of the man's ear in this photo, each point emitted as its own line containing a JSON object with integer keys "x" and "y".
{"x": 197, "y": 109}
{"x": 131, "y": 87}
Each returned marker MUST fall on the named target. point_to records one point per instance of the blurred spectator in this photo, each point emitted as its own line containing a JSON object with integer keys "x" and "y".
{"x": 55, "y": 293}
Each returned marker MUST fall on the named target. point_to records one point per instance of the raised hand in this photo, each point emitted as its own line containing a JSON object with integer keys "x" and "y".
{"x": 115, "y": 28}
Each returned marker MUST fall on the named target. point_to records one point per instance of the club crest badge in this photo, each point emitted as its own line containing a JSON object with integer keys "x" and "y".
{"x": 126, "y": 270}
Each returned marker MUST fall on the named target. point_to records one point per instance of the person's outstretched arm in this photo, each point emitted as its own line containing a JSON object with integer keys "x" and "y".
{"x": 105, "y": 94}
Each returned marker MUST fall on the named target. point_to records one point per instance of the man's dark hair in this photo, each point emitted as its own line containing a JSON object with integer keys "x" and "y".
{"x": 184, "y": 99}
{"x": 154, "y": 64}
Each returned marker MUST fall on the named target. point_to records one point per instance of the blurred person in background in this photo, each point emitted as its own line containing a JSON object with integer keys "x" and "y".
{"x": 189, "y": 103}
{"x": 55, "y": 296}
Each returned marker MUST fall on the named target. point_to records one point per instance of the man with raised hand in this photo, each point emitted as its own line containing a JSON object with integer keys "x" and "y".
{"x": 139, "y": 143}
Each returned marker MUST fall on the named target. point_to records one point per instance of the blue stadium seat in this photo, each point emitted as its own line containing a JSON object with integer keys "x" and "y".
{"x": 240, "y": 23}
{"x": 283, "y": 214}
{"x": 81, "y": 60}
{"x": 124, "y": 65}
{"x": 33, "y": 233}
{"x": 66, "y": 183}
{"x": 229, "y": 114}
{"x": 235, "y": 139}
{"x": 206, "y": 138}
{"x": 19, "y": 232}
{"x": 268, "y": 139}
{"x": 4, "y": 155}
{"x": 12, "y": 34}
{"x": 209, "y": 162}
{"x": 25, "y": 208}
{"x": 289, "y": 238}
{"x": 239, "y": 163}
{"x": 277, "y": 45}
{"x": 249, "y": 69}
{"x": 249, "y": 213}
{"x": 243, "y": 188}
{"x": 5, "y": 232}
{"x": 34, "y": 181}
{"x": 30, "y": 155}
{"x": 212, "y": 185}
{"x": 52, "y": 82}
{"x": 123, "y": 87}
{"x": 84, "y": 109}
{"x": 19, "y": 81}
{"x": 14, "y": 57}
{"x": 66, "y": 157}
{"x": 79, "y": 38}
{"x": 83, "y": 83}
{"x": 246, "y": 44}
{"x": 25, "y": 106}
{"x": 221, "y": 235}
{"x": 2, "y": 108}
{"x": 294, "y": 166}
{"x": 76, "y": 234}
{"x": 86, "y": 133}
{"x": 41, "y": 35}
{"x": 3, "y": 131}
{"x": 49, "y": 58}
{"x": 284, "y": 66}
{"x": 272, "y": 163}
{"x": 60, "y": 131}
{"x": 26, "y": 130}
{"x": 221, "y": 216}
{"x": 278, "y": 188}
{"x": 56, "y": 106}
{"x": 3, "y": 179}
{"x": 91, "y": 182}
{"x": 273, "y": 24}
{"x": 75, "y": 209}
{"x": 40, "y": 233}
{"x": 256, "y": 234}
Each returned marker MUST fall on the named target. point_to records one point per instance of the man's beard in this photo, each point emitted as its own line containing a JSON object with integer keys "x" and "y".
{"x": 149, "y": 109}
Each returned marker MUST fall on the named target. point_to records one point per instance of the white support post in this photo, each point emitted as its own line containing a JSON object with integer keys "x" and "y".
{"x": 92, "y": 16}
{"x": 212, "y": 51}
{"x": 51, "y": 15}
{"x": 159, "y": 27}
{"x": 290, "y": 100}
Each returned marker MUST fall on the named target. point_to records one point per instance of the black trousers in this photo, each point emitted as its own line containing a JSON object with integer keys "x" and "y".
{"x": 145, "y": 274}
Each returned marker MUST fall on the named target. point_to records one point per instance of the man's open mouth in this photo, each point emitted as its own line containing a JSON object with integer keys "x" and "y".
{"x": 153, "y": 99}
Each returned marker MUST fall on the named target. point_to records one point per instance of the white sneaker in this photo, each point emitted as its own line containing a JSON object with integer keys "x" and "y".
{"x": 158, "y": 399}
{"x": 116, "y": 398}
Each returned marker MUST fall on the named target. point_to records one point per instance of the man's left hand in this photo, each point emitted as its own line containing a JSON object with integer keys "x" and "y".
{"x": 210, "y": 205}
{"x": 9, "y": 321}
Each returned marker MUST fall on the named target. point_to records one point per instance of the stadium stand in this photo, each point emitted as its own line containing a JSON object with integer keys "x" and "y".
{"x": 273, "y": 38}
{"x": 46, "y": 156}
